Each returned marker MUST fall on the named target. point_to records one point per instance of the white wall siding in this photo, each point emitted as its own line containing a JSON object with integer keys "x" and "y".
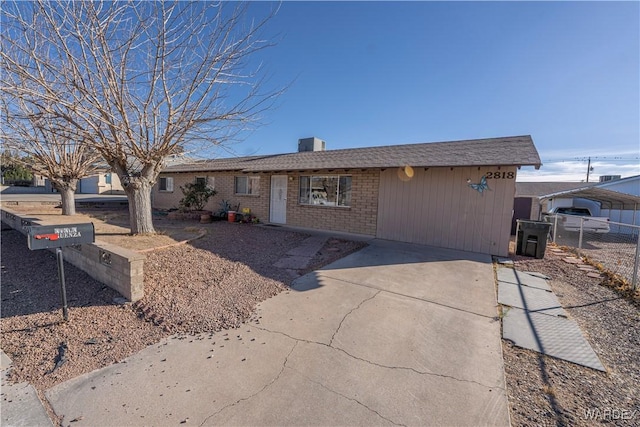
{"x": 629, "y": 185}
{"x": 625, "y": 217}
{"x": 437, "y": 207}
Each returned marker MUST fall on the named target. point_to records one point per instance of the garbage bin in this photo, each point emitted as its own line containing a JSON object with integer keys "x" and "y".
{"x": 531, "y": 239}
{"x": 231, "y": 216}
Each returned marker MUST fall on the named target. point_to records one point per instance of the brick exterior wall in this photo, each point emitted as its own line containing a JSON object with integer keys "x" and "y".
{"x": 224, "y": 184}
{"x": 360, "y": 217}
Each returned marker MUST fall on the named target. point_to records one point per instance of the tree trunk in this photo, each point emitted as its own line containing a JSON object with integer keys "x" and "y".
{"x": 67, "y": 193}
{"x": 139, "y": 196}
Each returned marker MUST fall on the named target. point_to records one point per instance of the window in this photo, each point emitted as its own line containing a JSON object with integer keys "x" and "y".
{"x": 331, "y": 190}
{"x": 107, "y": 178}
{"x": 166, "y": 184}
{"x": 575, "y": 211}
{"x": 247, "y": 185}
{"x": 208, "y": 181}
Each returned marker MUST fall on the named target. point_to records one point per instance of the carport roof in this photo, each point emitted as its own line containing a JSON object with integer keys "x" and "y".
{"x": 608, "y": 199}
{"x": 506, "y": 151}
{"x": 539, "y": 189}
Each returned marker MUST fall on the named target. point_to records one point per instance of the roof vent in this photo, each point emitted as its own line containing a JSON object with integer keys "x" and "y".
{"x": 311, "y": 144}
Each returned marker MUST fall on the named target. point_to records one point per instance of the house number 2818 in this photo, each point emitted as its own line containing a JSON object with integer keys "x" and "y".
{"x": 501, "y": 175}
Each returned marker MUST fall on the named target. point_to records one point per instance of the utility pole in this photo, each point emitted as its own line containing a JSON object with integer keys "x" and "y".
{"x": 588, "y": 168}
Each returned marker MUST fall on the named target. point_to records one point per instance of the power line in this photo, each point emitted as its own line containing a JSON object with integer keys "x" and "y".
{"x": 605, "y": 158}
{"x": 586, "y": 159}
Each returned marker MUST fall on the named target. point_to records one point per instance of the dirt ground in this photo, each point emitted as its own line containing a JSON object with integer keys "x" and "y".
{"x": 213, "y": 282}
{"x": 547, "y": 391}
{"x": 216, "y": 280}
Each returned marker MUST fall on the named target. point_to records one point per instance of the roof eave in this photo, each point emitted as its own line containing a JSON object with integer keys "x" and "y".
{"x": 350, "y": 166}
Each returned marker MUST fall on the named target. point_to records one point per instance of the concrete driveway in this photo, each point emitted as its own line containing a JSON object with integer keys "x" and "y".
{"x": 395, "y": 334}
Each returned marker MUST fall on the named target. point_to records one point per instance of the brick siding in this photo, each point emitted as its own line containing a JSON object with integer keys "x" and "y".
{"x": 360, "y": 217}
{"x": 224, "y": 184}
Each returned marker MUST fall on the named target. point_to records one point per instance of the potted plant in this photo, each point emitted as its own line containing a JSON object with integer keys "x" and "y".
{"x": 225, "y": 208}
{"x": 247, "y": 217}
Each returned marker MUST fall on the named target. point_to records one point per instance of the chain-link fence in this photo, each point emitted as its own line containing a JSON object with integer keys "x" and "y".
{"x": 617, "y": 250}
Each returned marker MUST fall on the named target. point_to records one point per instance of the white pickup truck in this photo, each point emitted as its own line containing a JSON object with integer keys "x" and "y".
{"x": 571, "y": 219}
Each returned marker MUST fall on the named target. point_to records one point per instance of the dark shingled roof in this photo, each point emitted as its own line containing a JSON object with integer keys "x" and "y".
{"x": 507, "y": 151}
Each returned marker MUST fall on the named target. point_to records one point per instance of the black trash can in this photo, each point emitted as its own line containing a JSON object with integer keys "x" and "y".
{"x": 531, "y": 239}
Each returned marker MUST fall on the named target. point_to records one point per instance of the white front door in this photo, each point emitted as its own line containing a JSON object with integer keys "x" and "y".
{"x": 278, "y": 209}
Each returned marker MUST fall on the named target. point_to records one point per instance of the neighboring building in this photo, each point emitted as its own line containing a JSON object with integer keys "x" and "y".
{"x": 606, "y": 178}
{"x": 612, "y": 197}
{"x": 103, "y": 182}
{"x": 456, "y": 194}
{"x": 38, "y": 180}
{"x": 629, "y": 185}
{"x": 528, "y": 205}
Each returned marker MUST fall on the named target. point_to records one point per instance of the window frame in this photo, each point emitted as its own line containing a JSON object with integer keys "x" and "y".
{"x": 168, "y": 184}
{"x": 249, "y": 189}
{"x": 308, "y": 199}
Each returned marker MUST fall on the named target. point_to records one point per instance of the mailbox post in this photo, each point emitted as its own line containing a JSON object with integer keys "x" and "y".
{"x": 59, "y": 236}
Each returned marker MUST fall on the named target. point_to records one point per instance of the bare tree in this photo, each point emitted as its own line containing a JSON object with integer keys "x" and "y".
{"x": 49, "y": 148}
{"x": 138, "y": 80}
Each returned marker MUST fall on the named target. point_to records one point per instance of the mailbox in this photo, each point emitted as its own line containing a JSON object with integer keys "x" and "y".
{"x": 58, "y": 236}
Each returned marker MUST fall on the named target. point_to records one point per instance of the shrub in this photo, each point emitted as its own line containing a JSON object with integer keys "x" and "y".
{"x": 196, "y": 196}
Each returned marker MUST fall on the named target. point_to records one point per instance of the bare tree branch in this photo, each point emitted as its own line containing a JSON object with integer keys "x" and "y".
{"x": 49, "y": 147}
{"x": 137, "y": 81}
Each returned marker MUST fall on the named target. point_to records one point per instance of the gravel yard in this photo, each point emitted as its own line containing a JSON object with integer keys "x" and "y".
{"x": 216, "y": 281}
{"x": 548, "y": 391}
{"x": 182, "y": 296}
{"x": 98, "y": 333}
{"x": 614, "y": 251}
{"x": 211, "y": 284}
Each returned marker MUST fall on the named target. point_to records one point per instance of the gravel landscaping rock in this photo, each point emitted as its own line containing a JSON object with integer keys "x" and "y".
{"x": 99, "y": 332}
{"x": 216, "y": 281}
{"x": 547, "y": 391}
{"x": 213, "y": 283}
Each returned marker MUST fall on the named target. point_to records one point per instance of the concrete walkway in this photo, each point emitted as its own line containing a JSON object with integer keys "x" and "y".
{"x": 534, "y": 319}
{"x": 19, "y": 402}
{"x": 394, "y": 334}
{"x": 300, "y": 256}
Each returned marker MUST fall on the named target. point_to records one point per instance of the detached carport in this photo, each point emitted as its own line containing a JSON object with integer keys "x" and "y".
{"x": 617, "y": 251}
{"x": 608, "y": 199}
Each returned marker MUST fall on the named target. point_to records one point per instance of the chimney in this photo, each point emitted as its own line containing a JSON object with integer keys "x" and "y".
{"x": 310, "y": 144}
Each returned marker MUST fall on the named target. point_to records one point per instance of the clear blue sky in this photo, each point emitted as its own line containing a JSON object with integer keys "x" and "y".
{"x": 386, "y": 73}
